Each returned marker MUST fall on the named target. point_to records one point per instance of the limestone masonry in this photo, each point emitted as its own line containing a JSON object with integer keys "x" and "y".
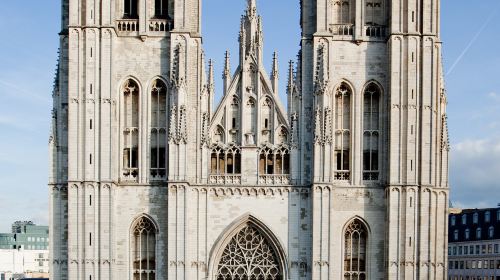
{"x": 150, "y": 179}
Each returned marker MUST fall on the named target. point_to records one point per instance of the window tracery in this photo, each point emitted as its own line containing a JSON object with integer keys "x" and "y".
{"x": 130, "y": 131}
{"x": 371, "y": 132}
{"x": 249, "y": 256}
{"x": 355, "y": 244}
{"x": 225, "y": 161}
{"x": 343, "y": 132}
{"x": 158, "y": 140}
{"x": 274, "y": 162}
{"x": 144, "y": 250}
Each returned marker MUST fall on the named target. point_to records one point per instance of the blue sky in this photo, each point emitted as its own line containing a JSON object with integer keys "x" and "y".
{"x": 28, "y": 53}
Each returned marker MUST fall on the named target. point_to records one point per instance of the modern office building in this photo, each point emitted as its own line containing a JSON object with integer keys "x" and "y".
{"x": 27, "y": 236}
{"x": 474, "y": 244}
{"x": 24, "y": 251}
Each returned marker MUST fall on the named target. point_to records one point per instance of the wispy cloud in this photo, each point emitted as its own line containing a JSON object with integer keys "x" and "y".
{"x": 22, "y": 93}
{"x": 472, "y": 41}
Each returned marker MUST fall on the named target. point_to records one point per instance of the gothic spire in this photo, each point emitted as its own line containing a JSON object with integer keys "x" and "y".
{"x": 251, "y": 33}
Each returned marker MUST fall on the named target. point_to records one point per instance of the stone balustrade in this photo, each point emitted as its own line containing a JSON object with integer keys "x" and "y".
{"x": 225, "y": 179}
{"x": 342, "y": 29}
{"x": 274, "y": 179}
{"x": 160, "y": 25}
{"x": 127, "y": 25}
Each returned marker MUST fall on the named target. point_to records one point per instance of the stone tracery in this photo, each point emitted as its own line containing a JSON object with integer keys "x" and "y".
{"x": 249, "y": 256}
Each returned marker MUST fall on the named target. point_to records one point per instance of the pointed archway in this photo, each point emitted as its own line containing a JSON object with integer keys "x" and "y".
{"x": 248, "y": 251}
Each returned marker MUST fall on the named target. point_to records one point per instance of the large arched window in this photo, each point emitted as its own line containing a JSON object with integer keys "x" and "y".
{"x": 343, "y": 132}
{"x": 371, "y": 132}
{"x": 158, "y": 154}
{"x": 130, "y": 128}
{"x": 130, "y": 10}
{"x": 249, "y": 256}
{"x": 143, "y": 247}
{"x": 355, "y": 245}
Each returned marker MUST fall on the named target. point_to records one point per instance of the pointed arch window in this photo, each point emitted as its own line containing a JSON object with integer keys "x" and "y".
{"x": 143, "y": 253}
{"x": 343, "y": 132}
{"x": 158, "y": 135}
{"x": 130, "y": 9}
{"x": 267, "y": 120}
{"x": 130, "y": 131}
{"x": 249, "y": 255}
{"x": 161, "y": 9}
{"x": 371, "y": 132}
{"x": 355, "y": 246}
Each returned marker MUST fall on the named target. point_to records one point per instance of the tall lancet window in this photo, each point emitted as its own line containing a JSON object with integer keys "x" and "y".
{"x": 344, "y": 11}
{"x": 158, "y": 138}
{"x": 343, "y": 132}
{"x": 130, "y": 130}
{"x": 161, "y": 9}
{"x": 371, "y": 132}
{"x": 355, "y": 244}
{"x": 267, "y": 120}
{"x": 130, "y": 9}
{"x": 143, "y": 253}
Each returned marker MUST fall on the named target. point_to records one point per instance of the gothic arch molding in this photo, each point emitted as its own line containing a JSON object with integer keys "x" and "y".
{"x": 376, "y": 83}
{"x": 343, "y": 81}
{"x": 236, "y": 227}
{"x": 122, "y": 82}
{"x": 137, "y": 219}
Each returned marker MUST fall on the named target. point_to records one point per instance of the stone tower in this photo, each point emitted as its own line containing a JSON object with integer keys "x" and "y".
{"x": 371, "y": 73}
{"x": 150, "y": 179}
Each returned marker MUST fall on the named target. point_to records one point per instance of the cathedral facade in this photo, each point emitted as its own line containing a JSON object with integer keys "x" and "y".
{"x": 151, "y": 179}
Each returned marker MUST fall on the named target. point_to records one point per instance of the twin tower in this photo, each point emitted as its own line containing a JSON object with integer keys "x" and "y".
{"x": 150, "y": 179}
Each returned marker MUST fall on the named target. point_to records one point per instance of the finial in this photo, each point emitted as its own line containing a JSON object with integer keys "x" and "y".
{"x": 227, "y": 66}
{"x": 275, "y": 65}
{"x": 290, "y": 75}
{"x": 252, "y": 5}
{"x": 211, "y": 73}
